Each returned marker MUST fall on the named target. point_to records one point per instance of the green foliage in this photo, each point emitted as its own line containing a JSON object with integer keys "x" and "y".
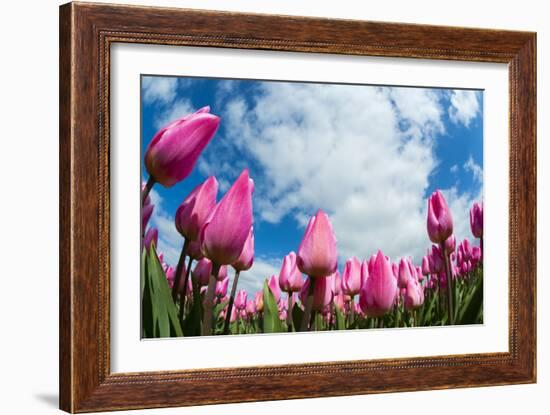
{"x": 159, "y": 313}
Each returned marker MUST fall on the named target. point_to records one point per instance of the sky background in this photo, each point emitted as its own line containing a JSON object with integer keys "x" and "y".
{"x": 369, "y": 156}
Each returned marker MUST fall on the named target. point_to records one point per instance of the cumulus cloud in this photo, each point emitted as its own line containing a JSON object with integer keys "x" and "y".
{"x": 475, "y": 169}
{"x": 464, "y": 106}
{"x": 177, "y": 109}
{"x": 362, "y": 154}
{"x": 263, "y": 267}
{"x": 159, "y": 89}
{"x": 454, "y": 168}
{"x": 170, "y": 241}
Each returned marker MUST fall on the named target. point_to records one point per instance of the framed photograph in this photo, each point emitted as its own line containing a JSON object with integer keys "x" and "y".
{"x": 258, "y": 207}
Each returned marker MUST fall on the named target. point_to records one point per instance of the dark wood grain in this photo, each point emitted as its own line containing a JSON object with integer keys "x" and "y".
{"x": 86, "y": 33}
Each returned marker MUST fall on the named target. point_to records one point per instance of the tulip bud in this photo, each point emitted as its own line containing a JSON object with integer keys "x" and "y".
{"x": 378, "y": 295}
{"x": 196, "y": 208}
{"x": 336, "y": 283}
{"x": 225, "y": 232}
{"x": 246, "y": 259}
{"x": 202, "y": 271}
{"x": 440, "y": 221}
{"x": 317, "y": 256}
{"x": 174, "y": 150}
{"x": 151, "y": 236}
{"x": 425, "y": 265}
{"x": 194, "y": 250}
{"x": 436, "y": 260}
{"x": 476, "y": 220}
{"x": 221, "y": 288}
{"x": 450, "y": 244}
{"x": 273, "y": 285}
{"x": 351, "y": 277}
{"x": 146, "y": 213}
{"x": 240, "y": 299}
{"x": 414, "y": 295}
{"x": 404, "y": 274}
{"x": 259, "y": 301}
{"x": 364, "y": 272}
{"x": 290, "y": 277}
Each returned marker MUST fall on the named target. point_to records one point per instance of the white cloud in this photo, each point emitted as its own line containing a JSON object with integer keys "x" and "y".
{"x": 476, "y": 169}
{"x": 171, "y": 112}
{"x": 454, "y": 168}
{"x": 160, "y": 89}
{"x": 362, "y": 154}
{"x": 170, "y": 241}
{"x": 464, "y": 106}
{"x": 263, "y": 268}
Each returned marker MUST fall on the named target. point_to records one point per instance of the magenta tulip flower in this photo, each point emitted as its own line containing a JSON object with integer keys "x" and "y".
{"x": 414, "y": 295}
{"x": 221, "y": 288}
{"x": 336, "y": 283}
{"x": 378, "y": 295}
{"x": 196, "y": 208}
{"x": 170, "y": 275}
{"x": 201, "y": 272}
{"x": 317, "y": 256}
{"x": 425, "y": 265}
{"x": 450, "y": 244}
{"x": 440, "y": 221}
{"x": 290, "y": 277}
{"x": 246, "y": 258}
{"x": 476, "y": 220}
{"x": 240, "y": 299}
{"x": 194, "y": 250}
{"x": 476, "y": 254}
{"x": 146, "y": 213}
{"x": 259, "y": 301}
{"x": 351, "y": 277}
{"x": 322, "y": 293}
{"x": 225, "y": 232}
{"x": 250, "y": 308}
{"x": 364, "y": 272}
{"x": 175, "y": 148}
{"x": 273, "y": 285}
{"x": 404, "y": 274}
{"x": 151, "y": 236}
{"x": 222, "y": 273}
{"x": 371, "y": 262}
{"x": 436, "y": 260}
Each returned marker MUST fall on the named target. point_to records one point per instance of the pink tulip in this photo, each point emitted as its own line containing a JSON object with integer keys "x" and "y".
{"x": 317, "y": 256}
{"x": 339, "y": 300}
{"x": 336, "y": 283}
{"x": 290, "y": 277}
{"x": 146, "y": 213}
{"x": 175, "y": 148}
{"x": 202, "y": 271}
{"x": 240, "y": 299}
{"x": 225, "y": 232}
{"x": 378, "y": 295}
{"x": 250, "y": 308}
{"x": 372, "y": 261}
{"x": 273, "y": 285}
{"x": 414, "y": 295}
{"x": 221, "y": 288}
{"x": 151, "y": 236}
{"x": 195, "y": 209}
{"x": 404, "y": 274}
{"x": 440, "y": 221}
{"x": 246, "y": 258}
{"x": 170, "y": 276}
{"x": 436, "y": 260}
{"x": 364, "y": 272}
{"x": 222, "y": 273}
{"x": 476, "y": 220}
{"x": 476, "y": 254}
{"x": 351, "y": 277}
{"x": 450, "y": 244}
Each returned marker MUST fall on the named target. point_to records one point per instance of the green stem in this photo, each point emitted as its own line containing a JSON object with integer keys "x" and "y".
{"x": 179, "y": 269}
{"x": 449, "y": 279}
{"x": 351, "y": 311}
{"x": 308, "y": 305}
{"x": 148, "y": 187}
{"x": 231, "y": 301}
{"x": 209, "y": 301}
{"x": 289, "y": 312}
{"x": 183, "y": 293}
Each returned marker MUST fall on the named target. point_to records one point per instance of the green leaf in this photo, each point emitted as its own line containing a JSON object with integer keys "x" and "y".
{"x": 193, "y": 322}
{"x": 297, "y": 314}
{"x": 272, "y": 323}
{"x": 473, "y": 305}
{"x": 340, "y": 319}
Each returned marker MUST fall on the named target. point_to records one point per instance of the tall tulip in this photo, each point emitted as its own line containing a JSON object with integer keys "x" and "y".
{"x": 404, "y": 273}
{"x": 243, "y": 263}
{"x": 259, "y": 301}
{"x": 425, "y": 265}
{"x": 202, "y": 271}
{"x": 317, "y": 256}
{"x": 290, "y": 277}
{"x": 476, "y": 220}
{"x": 378, "y": 294}
{"x": 273, "y": 285}
{"x": 146, "y": 213}
{"x": 175, "y": 148}
{"x": 450, "y": 245}
{"x": 351, "y": 277}
{"x": 414, "y": 295}
{"x": 224, "y": 234}
{"x": 150, "y": 237}
{"x": 240, "y": 300}
{"x": 440, "y": 221}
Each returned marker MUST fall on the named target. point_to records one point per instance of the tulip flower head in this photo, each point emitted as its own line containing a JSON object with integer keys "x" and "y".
{"x": 404, "y": 273}
{"x": 240, "y": 299}
{"x": 259, "y": 301}
{"x": 476, "y": 220}
{"x": 202, "y": 271}
{"x": 290, "y": 277}
{"x": 175, "y": 148}
{"x": 317, "y": 256}
{"x": 450, "y": 244}
{"x": 273, "y": 285}
{"x": 440, "y": 221}
{"x": 425, "y": 265}
{"x": 221, "y": 288}
{"x": 150, "y": 237}
{"x": 225, "y": 232}
{"x": 146, "y": 213}
{"x": 246, "y": 258}
{"x": 196, "y": 208}
{"x": 378, "y": 295}
{"x": 194, "y": 250}
{"x": 351, "y": 277}
{"x": 414, "y": 295}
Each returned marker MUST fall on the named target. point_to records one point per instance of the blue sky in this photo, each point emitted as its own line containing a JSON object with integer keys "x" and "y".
{"x": 367, "y": 155}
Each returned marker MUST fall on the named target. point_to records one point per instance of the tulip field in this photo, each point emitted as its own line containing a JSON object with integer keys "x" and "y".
{"x": 315, "y": 288}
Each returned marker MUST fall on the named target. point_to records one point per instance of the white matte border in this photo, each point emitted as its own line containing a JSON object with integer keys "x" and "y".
{"x": 130, "y": 354}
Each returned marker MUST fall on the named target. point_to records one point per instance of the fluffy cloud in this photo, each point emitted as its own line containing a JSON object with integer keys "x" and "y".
{"x": 253, "y": 279}
{"x": 159, "y": 89}
{"x": 177, "y": 109}
{"x": 170, "y": 241}
{"x": 475, "y": 169}
{"x": 464, "y": 106}
{"x": 362, "y": 154}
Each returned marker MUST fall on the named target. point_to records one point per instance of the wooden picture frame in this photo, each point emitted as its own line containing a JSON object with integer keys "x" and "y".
{"x": 86, "y": 33}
